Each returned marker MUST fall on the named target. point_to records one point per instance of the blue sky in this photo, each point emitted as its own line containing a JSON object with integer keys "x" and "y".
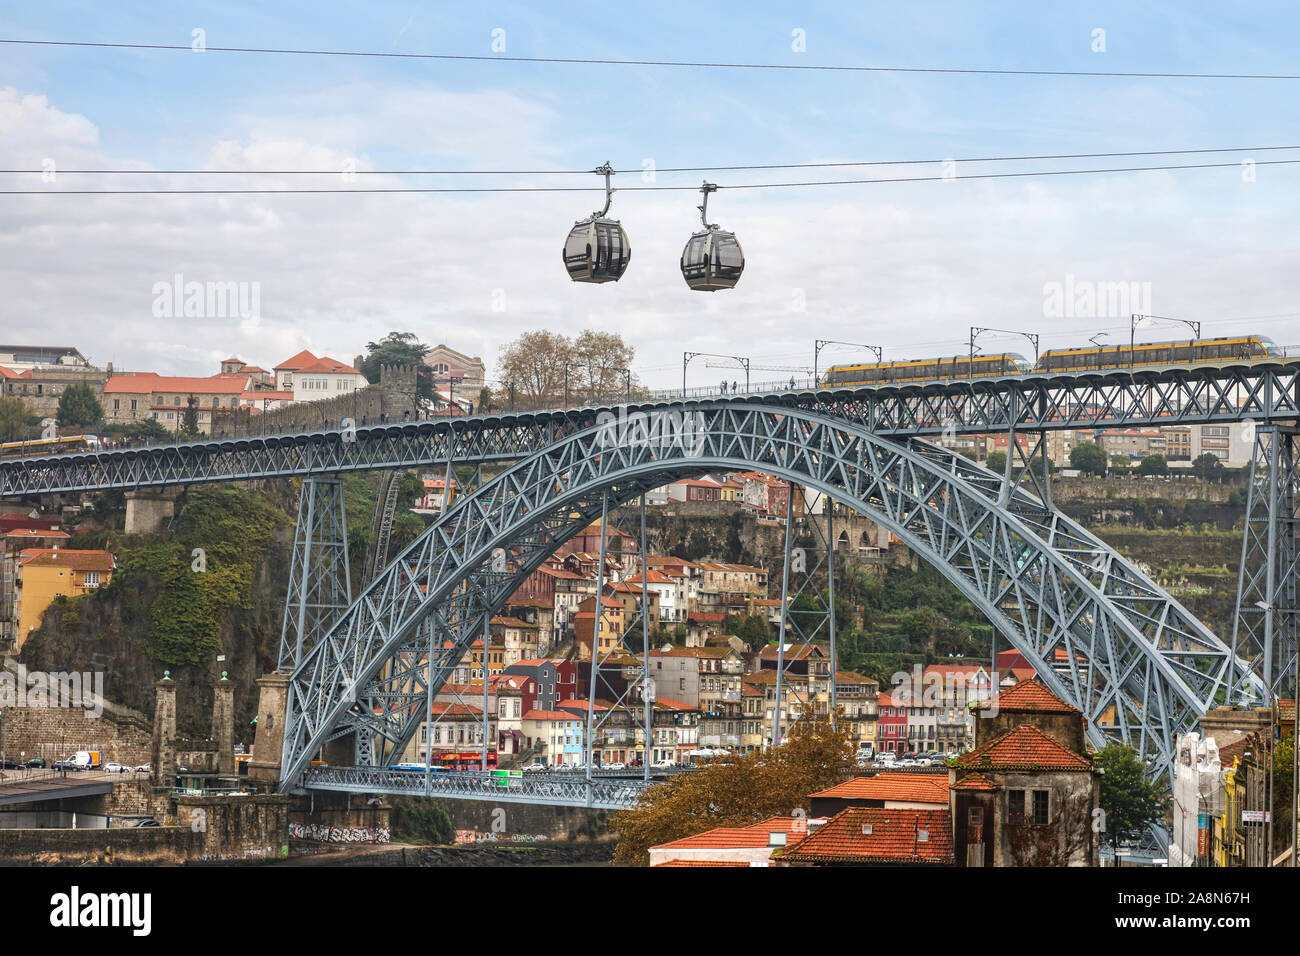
{"x": 911, "y": 266}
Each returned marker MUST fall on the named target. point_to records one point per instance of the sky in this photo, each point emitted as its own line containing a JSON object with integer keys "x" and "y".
{"x": 907, "y": 266}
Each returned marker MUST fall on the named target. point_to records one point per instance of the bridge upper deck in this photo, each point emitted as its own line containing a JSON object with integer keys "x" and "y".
{"x": 1262, "y": 392}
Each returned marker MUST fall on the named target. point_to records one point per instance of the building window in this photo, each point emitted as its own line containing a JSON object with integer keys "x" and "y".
{"x": 1041, "y": 803}
{"x": 1015, "y": 807}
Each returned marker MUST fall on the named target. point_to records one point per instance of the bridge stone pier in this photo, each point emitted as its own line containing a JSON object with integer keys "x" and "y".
{"x": 268, "y": 738}
{"x": 148, "y": 511}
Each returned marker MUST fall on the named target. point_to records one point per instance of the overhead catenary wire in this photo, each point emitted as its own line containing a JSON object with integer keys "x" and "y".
{"x": 655, "y": 188}
{"x": 661, "y": 169}
{"x": 688, "y": 64}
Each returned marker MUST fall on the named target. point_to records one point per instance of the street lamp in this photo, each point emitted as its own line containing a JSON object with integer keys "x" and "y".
{"x": 822, "y": 343}
{"x": 740, "y": 360}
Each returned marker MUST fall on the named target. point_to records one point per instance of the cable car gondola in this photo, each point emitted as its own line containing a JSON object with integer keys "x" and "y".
{"x": 712, "y": 259}
{"x": 597, "y": 249}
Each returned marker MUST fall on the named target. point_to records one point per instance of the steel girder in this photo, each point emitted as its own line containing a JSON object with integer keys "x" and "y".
{"x": 1266, "y": 630}
{"x": 1263, "y": 392}
{"x": 320, "y": 585}
{"x": 1137, "y": 665}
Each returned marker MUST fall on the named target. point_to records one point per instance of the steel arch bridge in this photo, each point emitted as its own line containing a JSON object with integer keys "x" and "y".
{"x": 1136, "y": 663}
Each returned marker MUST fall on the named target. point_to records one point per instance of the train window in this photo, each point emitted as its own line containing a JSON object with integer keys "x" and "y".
{"x": 1183, "y": 353}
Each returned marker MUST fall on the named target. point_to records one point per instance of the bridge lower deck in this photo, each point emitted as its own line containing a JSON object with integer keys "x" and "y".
{"x": 604, "y": 791}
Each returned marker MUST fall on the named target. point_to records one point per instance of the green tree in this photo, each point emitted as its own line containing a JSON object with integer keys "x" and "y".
{"x": 79, "y": 407}
{"x": 1153, "y": 465}
{"x": 1088, "y": 458}
{"x": 16, "y": 422}
{"x": 400, "y": 348}
{"x": 996, "y": 461}
{"x": 146, "y": 429}
{"x": 1207, "y": 466}
{"x": 190, "y": 418}
{"x": 1129, "y": 801}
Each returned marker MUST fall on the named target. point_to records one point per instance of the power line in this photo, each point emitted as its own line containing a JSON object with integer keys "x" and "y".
{"x": 696, "y": 64}
{"x": 664, "y": 169}
{"x": 581, "y": 189}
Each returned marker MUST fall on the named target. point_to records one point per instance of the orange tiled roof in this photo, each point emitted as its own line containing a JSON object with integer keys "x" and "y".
{"x": 548, "y": 715}
{"x": 67, "y": 558}
{"x": 897, "y": 836}
{"x": 1024, "y": 748}
{"x": 721, "y": 838}
{"x": 329, "y": 365}
{"x": 910, "y": 787}
{"x": 1030, "y": 695}
{"x": 975, "y": 781}
{"x": 296, "y": 362}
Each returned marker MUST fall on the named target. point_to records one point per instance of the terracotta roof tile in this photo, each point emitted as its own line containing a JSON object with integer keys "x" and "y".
{"x": 1030, "y": 695}
{"x": 896, "y": 836}
{"x": 1024, "y": 748}
{"x": 975, "y": 781}
{"x": 909, "y": 787}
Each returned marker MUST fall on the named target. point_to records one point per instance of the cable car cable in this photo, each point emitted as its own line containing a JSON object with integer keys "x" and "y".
{"x": 696, "y": 64}
{"x": 662, "y": 169}
{"x": 573, "y": 189}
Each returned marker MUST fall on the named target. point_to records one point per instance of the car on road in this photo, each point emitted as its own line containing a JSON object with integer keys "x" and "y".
{"x": 536, "y": 768}
{"x": 614, "y": 766}
{"x": 36, "y": 763}
{"x": 66, "y": 765}
{"x": 115, "y": 767}
{"x": 143, "y": 768}
{"x": 8, "y": 764}
{"x": 663, "y": 765}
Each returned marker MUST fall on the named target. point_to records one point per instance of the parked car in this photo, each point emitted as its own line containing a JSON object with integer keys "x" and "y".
{"x": 663, "y": 765}
{"x": 66, "y": 765}
{"x": 36, "y": 763}
{"x": 143, "y": 768}
{"x": 8, "y": 764}
{"x": 148, "y": 823}
{"x": 615, "y": 766}
{"x": 535, "y": 768}
{"x": 115, "y": 767}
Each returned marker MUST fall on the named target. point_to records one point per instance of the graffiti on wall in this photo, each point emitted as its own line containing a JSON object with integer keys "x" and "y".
{"x": 323, "y": 833}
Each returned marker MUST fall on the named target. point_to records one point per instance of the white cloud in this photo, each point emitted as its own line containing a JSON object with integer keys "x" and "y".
{"x": 910, "y": 266}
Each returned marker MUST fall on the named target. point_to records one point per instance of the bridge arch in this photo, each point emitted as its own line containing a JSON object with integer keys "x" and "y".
{"x": 1142, "y": 667}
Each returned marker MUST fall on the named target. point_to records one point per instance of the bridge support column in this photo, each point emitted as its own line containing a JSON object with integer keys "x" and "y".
{"x": 320, "y": 585}
{"x": 1267, "y": 625}
{"x": 802, "y": 628}
{"x": 223, "y": 724}
{"x": 268, "y": 739}
{"x": 163, "y": 756}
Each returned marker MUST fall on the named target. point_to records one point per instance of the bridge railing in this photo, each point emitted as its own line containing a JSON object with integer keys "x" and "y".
{"x": 570, "y": 789}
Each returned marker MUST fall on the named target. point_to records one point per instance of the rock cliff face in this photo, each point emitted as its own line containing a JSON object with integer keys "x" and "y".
{"x": 166, "y": 611}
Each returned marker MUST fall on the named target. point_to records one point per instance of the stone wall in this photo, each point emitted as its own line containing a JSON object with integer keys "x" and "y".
{"x": 392, "y": 400}
{"x": 244, "y": 827}
{"x": 119, "y": 733}
{"x": 131, "y": 846}
{"x": 522, "y": 823}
